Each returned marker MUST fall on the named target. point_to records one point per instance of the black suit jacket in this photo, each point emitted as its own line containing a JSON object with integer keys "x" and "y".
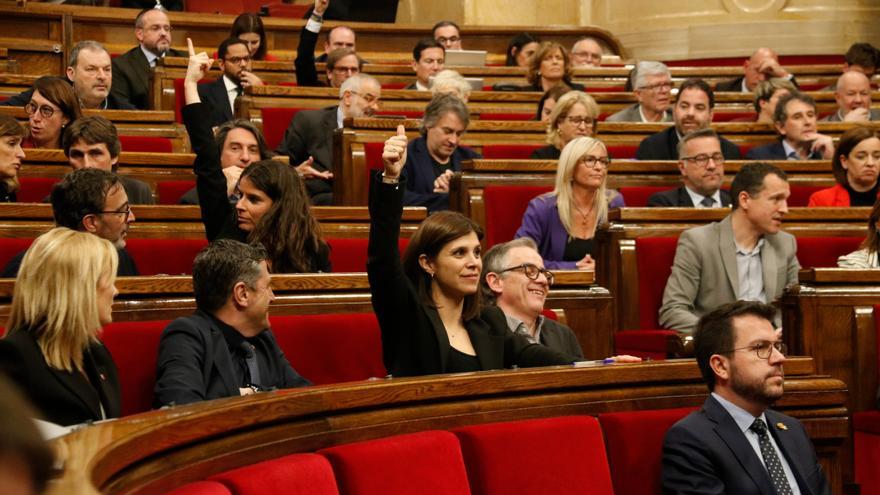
{"x": 419, "y": 173}
{"x": 679, "y": 197}
{"x": 195, "y": 364}
{"x": 310, "y": 133}
{"x": 706, "y": 452}
{"x": 664, "y": 146}
{"x": 131, "y": 77}
{"x": 138, "y": 191}
{"x": 215, "y": 96}
{"x": 306, "y": 72}
{"x": 560, "y": 338}
{"x": 62, "y": 397}
{"x": 773, "y": 151}
{"x": 414, "y": 340}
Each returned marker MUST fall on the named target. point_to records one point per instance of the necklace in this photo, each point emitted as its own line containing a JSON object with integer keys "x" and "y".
{"x": 585, "y": 215}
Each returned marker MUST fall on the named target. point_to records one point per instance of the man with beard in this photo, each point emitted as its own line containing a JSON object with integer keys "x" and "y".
{"x": 735, "y": 443}
{"x": 692, "y": 111}
{"x": 701, "y": 164}
{"x": 235, "y": 62}
{"x": 745, "y": 256}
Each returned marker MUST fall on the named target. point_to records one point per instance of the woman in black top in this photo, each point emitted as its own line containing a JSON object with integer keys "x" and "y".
{"x": 11, "y": 155}
{"x": 428, "y": 303}
{"x": 272, "y": 208}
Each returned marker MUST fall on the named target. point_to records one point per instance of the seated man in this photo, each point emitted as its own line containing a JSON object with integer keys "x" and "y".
{"x": 91, "y": 200}
{"x": 428, "y": 58}
{"x": 235, "y": 62}
{"x": 692, "y": 111}
{"x": 339, "y": 38}
{"x": 767, "y": 95}
{"x": 653, "y": 85}
{"x": 795, "y": 121}
{"x": 432, "y": 158}
{"x": 132, "y": 69}
{"x": 735, "y": 443}
{"x": 762, "y": 65}
{"x": 92, "y": 142}
{"x": 853, "y": 96}
{"x": 586, "y": 52}
{"x": 225, "y": 348}
{"x": 447, "y": 34}
{"x": 860, "y": 57}
{"x": 90, "y": 72}
{"x": 309, "y": 138}
{"x": 746, "y": 256}
{"x": 514, "y": 279}
{"x": 701, "y": 163}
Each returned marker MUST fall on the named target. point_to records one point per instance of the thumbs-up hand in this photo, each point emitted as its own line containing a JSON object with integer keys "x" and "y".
{"x": 394, "y": 153}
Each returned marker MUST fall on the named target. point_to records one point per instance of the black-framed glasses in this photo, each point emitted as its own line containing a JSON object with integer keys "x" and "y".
{"x": 45, "y": 110}
{"x": 595, "y": 161}
{"x": 126, "y": 211}
{"x": 237, "y": 60}
{"x": 763, "y": 348}
{"x": 658, "y": 86}
{"x": 532, "y": 271}
{"x": 576, "y": 121}
{"x": 367, "y": 97}
{"x": 702, "y": 160}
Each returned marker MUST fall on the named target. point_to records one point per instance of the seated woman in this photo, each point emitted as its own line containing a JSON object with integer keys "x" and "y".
{"x": 563, "y": 222}
{"x": 11, "y": 155}
{"x": 428, "y": 303}
{"x": 549, "y": 66}
{"x": 520, "y": 50}
{"x": 63, "y": 296}
{"x": 272, "y": 207}
{"x": 548, "y": 102}
{"x": 53, "y": 107}
{"x": 855, "y": 165}
{"x": 574, "y": 115}
{"x": 866, "y": 256}
{"x": 249, "y": 27}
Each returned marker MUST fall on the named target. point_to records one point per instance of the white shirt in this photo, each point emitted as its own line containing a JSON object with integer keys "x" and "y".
{"x": 339, "y": 116}
{"x": 750, "y": 273}
{"x": 231, "y": 92}
{"x": 696, "y": 198}
{"x": 151, "y": 57}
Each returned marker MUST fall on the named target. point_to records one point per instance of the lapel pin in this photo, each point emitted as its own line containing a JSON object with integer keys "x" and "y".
{"x": 782, "y": 426}
{"x": 104, "y": 378}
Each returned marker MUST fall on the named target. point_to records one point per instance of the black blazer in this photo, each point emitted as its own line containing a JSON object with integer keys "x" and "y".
{"x": 679, "y": 197}
{"x": 706, "y": 452}
{"x": 131, "y": 77}
{"x": 772, "y": 151}
{"x": 560, "y": 338}
{"x": 548, "y": 152}
{"x": 664, "y": 146}
{"x": 306, "y": 72}
{"x": 419, "y": 172}
{"x": 62, "y": 397}
{"x": 215, "y": 96}
{"x": 310, "y": 133}
{"x": 414, "y": 340}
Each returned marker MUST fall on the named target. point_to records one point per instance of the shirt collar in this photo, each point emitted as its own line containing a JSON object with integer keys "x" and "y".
{"x": 229, "y": 84}
{"x": 339, "y": 117}
{"x": 519, "y": 327}
{"x": 753, "y": 252}
{"x": 420, "y": 87}
{"x": 151, "y": 57}
{"x": 697, "y": 197}
{"x": 743, "y": 418}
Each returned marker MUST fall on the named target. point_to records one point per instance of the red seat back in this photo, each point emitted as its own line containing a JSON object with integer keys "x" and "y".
{"x": 164, "y": 256}
{"x": 424, "y": 463}
{"x": 180, "y": 96}
{"x": 654, "y": 257}
{"x": 564, "y": 455}
{"x": 146, "y": 144}
{"x": 134, "y": 346}
{"x": 637, "y": 196}
{"x": 297, "y": 474}
{"x": 814, "y": 252}
{"x": 9, "y": 247}
{"x": 634, "y": 441}
{"x": 800, "y": 195}
{"x": 278, "y": 9}
{"x": 505, "y": 207}
{"x": 733, "y": 116}
{"x": 622, "y": 151}
{"x": 275, "y": 123}
{"x": 508, "y": 151}
{"x": 507, "y": 116}
{"x": 35, "y": 189}
{"x": 350, "y": 255}
{"x": 170, "y": 191}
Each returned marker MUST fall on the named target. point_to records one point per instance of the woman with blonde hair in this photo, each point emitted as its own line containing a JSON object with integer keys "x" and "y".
{"x": 563, "y": 222}
{"x": 574, "y": 115}
{"x": 63, "y": 296}
{"x": 11, "y": 155}
{"x": 549, "y": 66}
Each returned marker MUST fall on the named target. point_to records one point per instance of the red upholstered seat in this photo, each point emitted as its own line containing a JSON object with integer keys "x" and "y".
{"x": 9, "y": 247}
{"x": 146, "y": 144}
{"x": 800, "y": 195}
{"x": 509, "y": 151}
{"x": 507, "y": 116}
{"x": 297, "y": 474}
{"x": 275, "y": 122}
{"x": 637, "y": 196}
{"x": 164, "y": 256}
{"x": 170, "y": 191}
{"x": 331, "y": 348}
{"x": 279, "y": 9}
{"x": 373, "y": 159}
{"x": 350, "y": 255}
{"x": 733, "y": 117}
{"x": 35, "y": 189}
{"x": 823, "y": 251}
{"x": 866, "y": 435}
{"x": 505, "y": 207}
{"x": 134, "y": 346}
{"x": 231, "y": 7}
{"x": 399, "y": 85}
{"x": 622, "y": 151}
{"x": 424, "y": 463}
{"x": 564, "y": 455}
{"x": 634, "y": 441}
{"x": 201, "y": 488}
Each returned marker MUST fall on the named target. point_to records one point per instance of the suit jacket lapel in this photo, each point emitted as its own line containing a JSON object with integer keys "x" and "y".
{"x": 142, "y": 69}
{"x": 329, "y": 125}
{"x": 486, "y": 346}
{"x": 672, "y": 142}
{"x": 442, "y": 337}
{"x": 222, "y": 361}
{"x": 736, "y": 441}
{"x": 223, "y": 96}
{"x": 684, "y": 199}
{"x": 727, "y": 246}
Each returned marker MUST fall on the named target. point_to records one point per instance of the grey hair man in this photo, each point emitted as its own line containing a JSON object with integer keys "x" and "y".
{"x": 652, "y": 83}
{"x": 586, "y": 52}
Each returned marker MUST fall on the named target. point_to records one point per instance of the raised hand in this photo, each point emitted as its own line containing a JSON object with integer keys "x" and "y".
{"x": 199, "y": 65}
{"x": 321, "y": 6}
{"x": 394, "y": 153}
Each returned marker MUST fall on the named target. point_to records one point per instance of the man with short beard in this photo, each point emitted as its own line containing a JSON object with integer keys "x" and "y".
{"x": 735, "y": 443}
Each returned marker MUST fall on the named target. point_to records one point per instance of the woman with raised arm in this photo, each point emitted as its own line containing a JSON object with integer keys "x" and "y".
{"x": 270, "y": 207}
{"x": 428, "y": 303}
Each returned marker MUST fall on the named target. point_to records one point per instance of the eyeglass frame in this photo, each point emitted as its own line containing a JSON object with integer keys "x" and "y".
{"x": 780, "y": 346}
{"x": 126, "y": 212}
{"x": 718, "y": 158}
{"x": 596, "y": 160}
{"x": 31, "y": 108}
{"x": 367, "y": 97}
{"x": 588, "y": 121}
{"x": 525, "y": 267}
{"x": 238, "y": 60}
{"x": 653, "y": 87}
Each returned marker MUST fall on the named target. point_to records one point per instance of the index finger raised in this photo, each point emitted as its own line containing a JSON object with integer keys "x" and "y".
{"x": 189, "y": 45}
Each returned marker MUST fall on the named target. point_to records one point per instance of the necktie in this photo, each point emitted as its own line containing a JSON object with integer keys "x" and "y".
{"x": 708, "y": 201}
{"x": 239, "y": 91}
{"x": 771, "y": 460}
{"x": 793, "y": 156}
{"x": 251, "y": 361}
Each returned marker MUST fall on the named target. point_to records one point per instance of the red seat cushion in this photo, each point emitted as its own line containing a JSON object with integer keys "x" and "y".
{"x": 164, "y": 256}
{"x": 509, "y": 151}
{"x": 823, "y": 251}
{"x": 297, "y": 474}
{"x": 505, "y": 207}
{"x": 350, "y": 255}
{"x": 637, "y": 196}
{"x": 9, "y": 247}
{"x": 331, "y": 348}
{"x": 275, "y": 123}
{"x": 146, "y": 144}
{"x": 134, "y": 346}
{"x": 733, "y": 116}
{"x": 170, "y": 191}
{"x": 634, "y": 441}
{"x": 557, "y": 455}
{"x": 424, "y": 463}
{"x": 201, "y": 488}
{"x": 35, "y": 189}
{"x": 278, "y": 9}
{"x": 622, "y": 151}
{"x": 654, "y": 257}
{"x": 800, "y": 195}
{"x": 400, "y": 85}
{"x": 866, "y": 440}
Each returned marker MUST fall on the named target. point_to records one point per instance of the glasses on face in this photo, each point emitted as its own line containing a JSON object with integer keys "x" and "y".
{"x": 124, "y": 212}
{"x": 45, "y": 110}
{"x": 346, "y": 70}
{"x": 595, "y": 161}
{"x": 532, "y": 271}
{"x": 702, "y": 160}
{"x": 238, "y": 60}
{"x": 763, "y": 348}
{"x": 658, "y": 86}
{"x": 577, "y": 121}
{"x": 452, "y": 39}
{"x": 367, "y": 97}
{"x": 156, "y": 28}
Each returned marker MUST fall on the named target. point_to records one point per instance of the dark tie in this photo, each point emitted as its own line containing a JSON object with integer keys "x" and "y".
{"x": 250, "y": 358}
{"x": 239, "y": 91}
{"x": 793, "y": 156}
{"x": 771, "y": 460}
{"x": 708, "y": 201}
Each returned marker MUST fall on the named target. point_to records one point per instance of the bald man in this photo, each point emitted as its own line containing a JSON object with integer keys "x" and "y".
{"x": 853, "y": 97}
{"x": 761, "y": 66}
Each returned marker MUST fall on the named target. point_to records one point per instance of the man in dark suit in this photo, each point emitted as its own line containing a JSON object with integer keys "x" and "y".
{"x": 339, "y": 38}
{"x": 692, "y": 111}
{"x": 428, "y": 59}
{"x": 308, "y": 141}
{"x": 762, "y": 65}
{"x": 795, "y": 121}
{"x": 702, "y": 171}
{"x": 735, "y": 443}
{"x": 235, "y": 62}
{"x": 225, "y": 348}
{"x": 131, "y": 70}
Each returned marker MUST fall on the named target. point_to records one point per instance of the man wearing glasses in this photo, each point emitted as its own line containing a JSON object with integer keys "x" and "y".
{"x": 653, "y": 89}
{"x": 235, "y": 62}
{"x": 745, "y": 256}
{"x": 735, "y": 443}
{"x": 701, "y": 164}
{"x": 692, "y": 111}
